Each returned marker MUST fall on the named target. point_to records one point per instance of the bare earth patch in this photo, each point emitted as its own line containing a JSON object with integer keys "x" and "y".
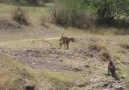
{"x": 6, "y": 24}
{"x": 49, "y": 58}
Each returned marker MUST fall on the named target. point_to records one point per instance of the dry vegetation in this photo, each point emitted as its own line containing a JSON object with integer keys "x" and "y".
{"x": 20, "y": 16}
{"x": 30, "y": 56}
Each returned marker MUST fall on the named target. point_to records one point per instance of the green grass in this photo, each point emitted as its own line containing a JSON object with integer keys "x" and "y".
{"x": 13, "y": 74}
{"x": 27, "y": 43}
{"x": 63, "y": 79}
{"x": 33, "y": 13}
{"x": 5, "y": 9}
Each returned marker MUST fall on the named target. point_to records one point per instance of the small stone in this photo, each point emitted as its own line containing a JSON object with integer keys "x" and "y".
{"x": 105, "y": 85}
{"x": 105, "y": 89}
{"x": 28, "y": 50}
{"x": 77, "y": 69}
{"x": 119, "y": 88}
{"x": 123, "y": 77}
{"x": 29, "y": 87}
{"x": 61, "y": 60}
{"x": 110, "y": 86}
{"x": 33, "y": 63}
{"x": 87, "y": 66}
{"x": 81, "y": 85}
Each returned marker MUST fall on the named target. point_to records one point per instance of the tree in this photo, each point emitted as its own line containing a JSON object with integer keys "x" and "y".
{"x": 122, "y": 8}
{"x": 33, "y": 2}
{"x": 71, "y": 13}
{"x": 106, "y": 11}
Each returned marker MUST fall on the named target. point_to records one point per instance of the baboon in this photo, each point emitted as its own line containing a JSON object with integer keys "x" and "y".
{"x": 65, "y": 41}
{"x": 111, "y": 68}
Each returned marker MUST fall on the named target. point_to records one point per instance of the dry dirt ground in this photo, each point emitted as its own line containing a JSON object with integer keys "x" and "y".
{"x": 39, "y": 49}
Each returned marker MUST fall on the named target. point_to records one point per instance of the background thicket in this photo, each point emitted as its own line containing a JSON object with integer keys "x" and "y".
{"x": 26, "y": 2}
{"x": 85, "y": 13}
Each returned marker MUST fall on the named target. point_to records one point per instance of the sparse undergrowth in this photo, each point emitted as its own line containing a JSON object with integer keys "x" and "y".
{"x": 14, "y": 75}
{"x": 20, "y": 15}
{"x": 125, "y": 46}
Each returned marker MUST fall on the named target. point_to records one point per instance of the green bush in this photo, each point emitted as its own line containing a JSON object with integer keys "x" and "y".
{"x": 71, "y": 13}
{"x": 105, "y": 12}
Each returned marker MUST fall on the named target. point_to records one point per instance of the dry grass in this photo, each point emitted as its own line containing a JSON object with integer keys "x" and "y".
{"x": 98, "y": 46}
{"x": 11, "y": 68}
{"x": 36, "y": 36}
{"x": 27, "y": 43}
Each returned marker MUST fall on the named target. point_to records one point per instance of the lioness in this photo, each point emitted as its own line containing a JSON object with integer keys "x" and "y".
{"x": 65, "y": 41}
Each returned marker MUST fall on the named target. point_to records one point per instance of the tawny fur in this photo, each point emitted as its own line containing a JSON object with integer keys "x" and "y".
{"x": 111, "y": 68}
{"x": 65, "y": 41}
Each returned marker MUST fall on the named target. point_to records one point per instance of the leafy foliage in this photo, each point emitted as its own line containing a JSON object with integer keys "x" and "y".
{"x": 109, "y": 11}
{"x": 25, "y": 2}
{"x": 71, "y": 13}
{"x": 106, "y": 12}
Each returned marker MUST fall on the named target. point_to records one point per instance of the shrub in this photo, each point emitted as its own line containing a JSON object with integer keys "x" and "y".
{"x": 43, "y": 19}
{"x": 125, "y": 46}
{"x": 32, "y": 2}
{"x": 19, "y": 15}
{"x": 105, "y": 12}
{"x": 97, "y": 46}
{"x": 105, "y": 55}
{"x": 73, "y": 17}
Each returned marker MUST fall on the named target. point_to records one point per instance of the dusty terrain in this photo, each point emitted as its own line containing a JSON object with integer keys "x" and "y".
{"x": 82, "y": 67}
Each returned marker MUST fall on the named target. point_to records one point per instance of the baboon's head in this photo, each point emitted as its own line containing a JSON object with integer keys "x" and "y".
{"x": 72, "y": 39}
{"x": 110, "y": 62}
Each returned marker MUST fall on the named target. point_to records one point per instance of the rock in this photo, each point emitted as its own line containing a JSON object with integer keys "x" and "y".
{"x": 117, "y": 69}
{"x": 119, "y": 88}
{"x": 28, "y": 50}
{"x": 34, "y": 63}
{"x": 105, "y": 85}
{"x": 61, "y": 60}
{"x": 110, "y": 86}
{"x": 57, "y": 57}
{"x": 15, "y": 54}
{"x": 77, "y": 69}
{"x": 87, "y": 66}
{"x": 105, "y": 89}
{"x": 29, "y": 87}
{"x": 81, "y": 85}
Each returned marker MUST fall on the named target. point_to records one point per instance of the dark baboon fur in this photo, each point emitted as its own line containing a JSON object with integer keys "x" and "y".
{"x": 111, "y": 68}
